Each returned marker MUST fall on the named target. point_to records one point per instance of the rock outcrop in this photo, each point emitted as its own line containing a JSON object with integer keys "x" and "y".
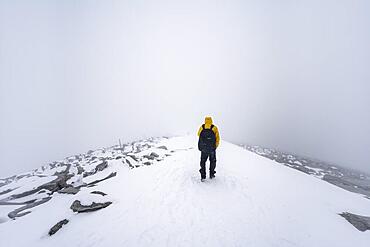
{"x": 361, "y": 223}
{"x": 79, "y": 208}
{"x": 58, "y": 226}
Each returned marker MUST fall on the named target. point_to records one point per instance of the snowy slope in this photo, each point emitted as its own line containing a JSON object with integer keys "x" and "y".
{"x": 252, "y": 202}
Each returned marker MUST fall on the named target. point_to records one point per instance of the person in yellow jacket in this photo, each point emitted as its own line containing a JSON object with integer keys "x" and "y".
{"x": 209, "y": 139}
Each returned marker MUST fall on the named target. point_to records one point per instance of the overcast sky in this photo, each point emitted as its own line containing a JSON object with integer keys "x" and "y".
{"x": 78, "y": 75}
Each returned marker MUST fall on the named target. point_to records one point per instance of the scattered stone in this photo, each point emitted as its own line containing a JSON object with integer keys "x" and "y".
{"x": 77, "y": 207}
{"x": 69, "y": 190}
{"x": 361, "y": 223}
{"x": 57, "y": 226}
{"x": 147, "y": 163}
{"x": 98, "y": 193}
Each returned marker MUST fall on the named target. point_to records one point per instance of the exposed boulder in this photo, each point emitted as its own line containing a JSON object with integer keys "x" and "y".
{"x": 361, "y": 223}
{"x": 163, "y": 147}
{"x": 57, "y": 226}
{"x": 133, "y": 157}
{"x": 98, "y": 168}
{"x": 101, "y": 166}
{"x": 59, "y": 183}
{"x": 80, "y": 170}
{"x": 79, "y": 208}
{"x": 151, "y": 156}
{"x": 69, "y": 190}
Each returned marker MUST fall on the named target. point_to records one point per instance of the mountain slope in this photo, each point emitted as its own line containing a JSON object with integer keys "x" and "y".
{"x": 252, "y": 202}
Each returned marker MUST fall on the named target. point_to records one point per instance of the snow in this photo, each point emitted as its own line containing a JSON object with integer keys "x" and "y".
{"x": 252, "y": 202}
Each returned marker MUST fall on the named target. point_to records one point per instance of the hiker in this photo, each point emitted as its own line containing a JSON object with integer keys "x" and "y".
{"x": 209, "y": 139}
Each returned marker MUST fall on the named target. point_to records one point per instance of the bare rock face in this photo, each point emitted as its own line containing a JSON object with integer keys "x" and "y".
{"x": 79, "y": 208}
{"x": 361, "y": 223}
{"x": 57, "y": 226}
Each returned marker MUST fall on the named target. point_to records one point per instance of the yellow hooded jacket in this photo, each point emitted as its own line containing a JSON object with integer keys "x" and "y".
{"x": 207, "y": 124}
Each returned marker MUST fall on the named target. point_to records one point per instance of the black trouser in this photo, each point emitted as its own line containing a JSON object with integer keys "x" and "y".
{"x": 203, "y": 159}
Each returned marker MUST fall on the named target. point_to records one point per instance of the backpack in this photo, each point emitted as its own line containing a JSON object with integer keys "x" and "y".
{"x": 207, "y": 140}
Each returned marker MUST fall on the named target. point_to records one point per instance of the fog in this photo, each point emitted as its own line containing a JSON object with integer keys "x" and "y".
{"x": 78, "y": 75}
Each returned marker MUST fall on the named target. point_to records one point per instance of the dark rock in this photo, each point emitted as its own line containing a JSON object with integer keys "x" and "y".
{"x": 163, "y": 147}
{"x": 4, "y": 203}
{"x": 133, "y": 157}
{"x": 5, "y": 191}
{"x": 57, "y": 226}
{"x": 98, "y": 168}
{"x": 69, "y": 190}
{"x": 18, "y": 212}
{"x": 361, "y": 223}
{"x": 57, "y": 184}
{"x": 151, "y": 156}
{"x": 129, "y": 163}
{"x": 154, "y": 155}
{"x": 147, "y": 163}
{"x": 113, "y": 174}
{"x": 80, "y": 170}
{"x": 98, "y": 193}
{"x": 77, "y": 207}
{"x": 101, "y": 167}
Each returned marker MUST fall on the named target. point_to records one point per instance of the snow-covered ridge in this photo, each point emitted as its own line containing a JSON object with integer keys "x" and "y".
{"x": 68, "y": 176}
{"x": 347, "y": 179}
{"x": 148, "y": 193}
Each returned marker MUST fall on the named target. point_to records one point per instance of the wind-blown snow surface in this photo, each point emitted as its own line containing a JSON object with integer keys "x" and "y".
{"x": 252, "y": 202}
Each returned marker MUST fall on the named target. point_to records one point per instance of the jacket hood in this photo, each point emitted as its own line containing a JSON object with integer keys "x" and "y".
{"x": 208, "y": 121}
